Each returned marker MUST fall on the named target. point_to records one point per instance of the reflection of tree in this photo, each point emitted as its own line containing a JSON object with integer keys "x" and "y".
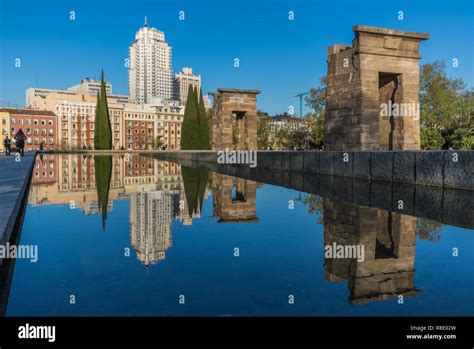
{"x": 195, "y": 181}
{"x": 103, "y": 172}
{"x": 315, "y": 205}
{"x": 428, "y": 229}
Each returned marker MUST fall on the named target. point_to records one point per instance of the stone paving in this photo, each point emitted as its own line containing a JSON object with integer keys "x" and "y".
{"x": 14, "y": 180}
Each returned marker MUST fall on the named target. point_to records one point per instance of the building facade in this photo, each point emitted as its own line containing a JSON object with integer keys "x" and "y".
{"x": 39, "y": 126}
{"x": 91, "y": 87}
{"x": 182, "y": 81}
{"x": 150, "y": 71}
{"x": 45, "y": 98}
{"x": 5, "y": 120}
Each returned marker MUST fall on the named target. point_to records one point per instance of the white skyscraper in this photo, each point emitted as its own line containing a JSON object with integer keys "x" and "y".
{"x": 150, "y": 72}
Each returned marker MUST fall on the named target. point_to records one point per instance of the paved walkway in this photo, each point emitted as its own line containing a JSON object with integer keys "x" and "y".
{"x": 14, "y": 179}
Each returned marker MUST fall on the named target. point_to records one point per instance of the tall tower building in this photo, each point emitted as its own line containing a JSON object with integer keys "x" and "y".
{"x": 150, "y": 72}
{"x": 182, "y": 80}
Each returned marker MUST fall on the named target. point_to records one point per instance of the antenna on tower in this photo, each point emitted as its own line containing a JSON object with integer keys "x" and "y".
{"x": 146, "y": 25}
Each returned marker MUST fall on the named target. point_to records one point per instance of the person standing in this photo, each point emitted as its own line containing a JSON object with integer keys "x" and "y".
{"x": 20, "y": 141}
{"x": 7, "y": 143}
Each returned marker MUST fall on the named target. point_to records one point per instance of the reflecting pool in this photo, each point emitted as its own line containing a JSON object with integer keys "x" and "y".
{"x": 132, "y": 235}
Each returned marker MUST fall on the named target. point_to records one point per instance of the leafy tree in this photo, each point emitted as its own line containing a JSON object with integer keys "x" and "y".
{"x": 317, "y": 98}
{"x": 298, "y": 139}
{"x": 157, "y": 142}
{"x": 446, "y": 105}
{"x": 190, "y": 126}
{"x": 462, "y": 138}
{"x": 431, "y": 139}
{"x": 102, "y": 127}
{"x": 263, "y": 133}
{"x": 315, "y": 125}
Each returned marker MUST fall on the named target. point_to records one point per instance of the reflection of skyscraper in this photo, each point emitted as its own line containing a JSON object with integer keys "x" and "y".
{"x": 389, "y": 251}
{"x": 151, "y": 214}
{"x": 234, "y": 199}
{"x": 155, "y": 190}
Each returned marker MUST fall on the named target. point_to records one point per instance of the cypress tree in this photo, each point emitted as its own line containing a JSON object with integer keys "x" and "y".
{"x": 102, "y": 127}
{"x": 96, "y": 123}
{"x": 189, "y": 128}
{"x": 204, "y": 135}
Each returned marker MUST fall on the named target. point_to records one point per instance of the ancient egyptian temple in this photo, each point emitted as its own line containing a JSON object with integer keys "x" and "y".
{"x": 372, "y": 91}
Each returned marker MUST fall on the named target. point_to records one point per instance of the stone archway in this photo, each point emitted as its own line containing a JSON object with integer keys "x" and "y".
{"x": 380, "y": 70}
{"x": 234, "y": 123}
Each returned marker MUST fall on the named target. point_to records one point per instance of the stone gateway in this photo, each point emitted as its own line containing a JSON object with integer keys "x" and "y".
{"x": 380, "y": 69}
{"x": 234, "y": 122}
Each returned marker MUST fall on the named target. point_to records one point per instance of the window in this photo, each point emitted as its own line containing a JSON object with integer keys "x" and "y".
{"x": 35, "y": 122}
{"x": 43, "y": 122}
{"x": 50, "y": 122}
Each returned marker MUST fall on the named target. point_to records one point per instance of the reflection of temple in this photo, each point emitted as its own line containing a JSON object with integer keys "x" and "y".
{"x": 389, "y": 245}
{"x": 234, "y": 199}
{"x": 154, "y": 189}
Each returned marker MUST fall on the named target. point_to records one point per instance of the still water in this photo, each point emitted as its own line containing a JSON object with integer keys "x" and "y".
{"x": 136, "y": 236}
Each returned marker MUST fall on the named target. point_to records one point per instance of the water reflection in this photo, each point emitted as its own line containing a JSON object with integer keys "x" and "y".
{"x": 103, "y": 173}
{"x": 234, "y": 199}
{"x": 389, "y": 245}
{"x": 160, "y": 192}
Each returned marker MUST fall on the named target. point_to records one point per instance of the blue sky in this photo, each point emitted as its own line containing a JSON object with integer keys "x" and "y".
{"x": 280, "y": 57}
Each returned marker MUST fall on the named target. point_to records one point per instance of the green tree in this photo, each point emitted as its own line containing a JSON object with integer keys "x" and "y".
{"x": 157, "y": 142}
{"x": 204, "y": 136}
{"x": 103, "y": 173}
{"x": 462, "y": 138}
{"x": 102, "y": 127}
{"x": 315, "y": 125}
{"x": 446, "y": 106}
{"x": 317, "y": 98}
{"x": 431, "y": 139}
{"x": 315, "y": 121}
{"x": 263, "y": 132}
{"x": 190, "y": 126}
{"x": 297, "y": 139}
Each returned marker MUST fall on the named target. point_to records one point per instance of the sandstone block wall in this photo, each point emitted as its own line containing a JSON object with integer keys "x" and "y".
{"x": 234, "y": 123}
{"x": 380, "y": 66}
